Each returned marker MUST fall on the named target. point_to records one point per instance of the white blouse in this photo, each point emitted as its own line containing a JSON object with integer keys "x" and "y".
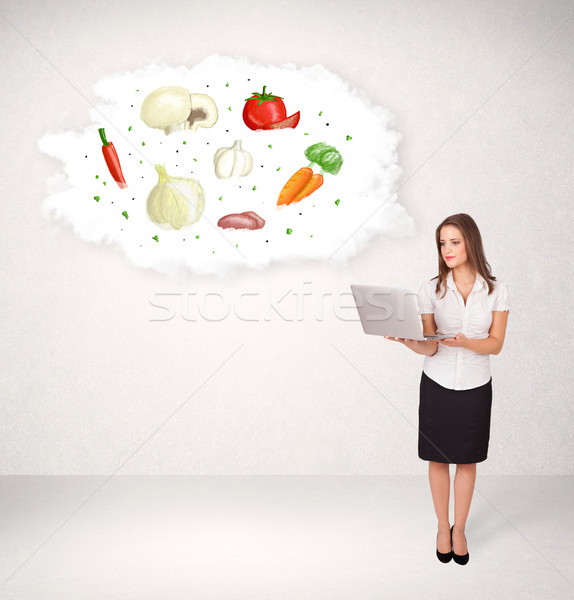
{"x": 460, "y": 368}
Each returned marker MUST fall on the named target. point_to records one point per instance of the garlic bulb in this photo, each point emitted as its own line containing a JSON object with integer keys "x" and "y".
{"x": 173, "y": 108}
{"x": 234, "y": 161}
{"x": 175, "y": 201}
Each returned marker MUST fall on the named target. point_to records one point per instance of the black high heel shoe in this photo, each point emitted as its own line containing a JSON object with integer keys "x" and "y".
{"x": 444, "y": 557}
{"x": 460, "y": 559}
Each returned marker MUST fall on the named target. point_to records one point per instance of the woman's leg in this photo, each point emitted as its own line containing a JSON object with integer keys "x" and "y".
{"x": 439, "y": 479}
{"x": 463, "y": 488}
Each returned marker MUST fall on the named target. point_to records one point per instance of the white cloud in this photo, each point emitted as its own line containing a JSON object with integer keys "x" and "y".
{"x": 365, "y": 183}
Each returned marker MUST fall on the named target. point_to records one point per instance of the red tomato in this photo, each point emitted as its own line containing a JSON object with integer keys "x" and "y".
{"x": 291, "y": 121}
{"x": 263, "y": 109}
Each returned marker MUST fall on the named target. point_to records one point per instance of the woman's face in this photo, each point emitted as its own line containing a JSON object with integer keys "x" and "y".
{"x": 452, "y": 247}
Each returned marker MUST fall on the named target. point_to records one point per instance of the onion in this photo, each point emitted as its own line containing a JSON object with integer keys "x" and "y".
{"x": 175, "y": 202}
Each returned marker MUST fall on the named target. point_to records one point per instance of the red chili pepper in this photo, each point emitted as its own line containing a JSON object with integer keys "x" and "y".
{"x": 112, "y": 160}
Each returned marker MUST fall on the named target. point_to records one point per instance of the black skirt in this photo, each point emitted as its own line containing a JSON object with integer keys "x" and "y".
{"x": 454, "y": 425}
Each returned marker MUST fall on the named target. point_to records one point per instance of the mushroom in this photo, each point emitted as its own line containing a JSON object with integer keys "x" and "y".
{"x": 173, "y": 108}
{"x": 203, "y": 112}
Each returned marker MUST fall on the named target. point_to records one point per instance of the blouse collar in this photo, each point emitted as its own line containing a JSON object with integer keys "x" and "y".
{"x": 478, "y": 282}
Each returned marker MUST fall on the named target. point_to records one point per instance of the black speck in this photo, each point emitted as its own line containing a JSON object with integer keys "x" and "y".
{"x": 327, "y": 124}
{"x": 112, "y": 202}
{"x": 249, "y": 80}
{"x": 177, "y": 150}
{"x": 129, "y": 153}
{"x": 261, "y": 166}
{"x": 121, "y": 229}
{"x": 266, "y": 240}
{"x": 86, "y": 156}
{"x": 227, "y": 131}
{"x": 300, "y": 213}
{"x": 142, "y": 175}
{"x": 161, "y": 142}
{"x": 133, "y": 198}
{"x": 132, "y": 105}
{"x": 239, "y": 187}
{"x": 208, "y": 86}
{"x": 208, "y": 143}
{"x": 184, "y": 239}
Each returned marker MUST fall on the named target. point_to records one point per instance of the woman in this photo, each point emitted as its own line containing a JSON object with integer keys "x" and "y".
{"x": 466, "y": 302}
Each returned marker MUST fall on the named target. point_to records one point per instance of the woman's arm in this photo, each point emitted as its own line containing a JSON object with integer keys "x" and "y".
{"x": 426, "y": 347}
{"x": 490, "y": 345}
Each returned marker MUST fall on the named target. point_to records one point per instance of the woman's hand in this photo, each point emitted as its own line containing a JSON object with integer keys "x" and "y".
{"x": 412, "y": 344}
{"x": 457, "y": 342}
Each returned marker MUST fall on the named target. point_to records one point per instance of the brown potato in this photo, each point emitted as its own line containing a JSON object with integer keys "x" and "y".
{"x": 260, "y": 221}
{"x": 237, "y": 221}
{"x": 245, "y": 220}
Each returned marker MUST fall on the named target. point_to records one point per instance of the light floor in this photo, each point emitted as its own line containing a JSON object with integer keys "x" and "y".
{"x": 276, "y": 537}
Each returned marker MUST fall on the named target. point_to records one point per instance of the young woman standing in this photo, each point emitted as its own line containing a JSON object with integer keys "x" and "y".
{"x": 466, "y": 302}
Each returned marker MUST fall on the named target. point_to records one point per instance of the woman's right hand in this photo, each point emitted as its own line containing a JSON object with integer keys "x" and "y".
{"x": 412, "y": 344}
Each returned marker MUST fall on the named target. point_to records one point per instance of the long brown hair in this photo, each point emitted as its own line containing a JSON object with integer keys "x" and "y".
{"x": 474, "y": 250}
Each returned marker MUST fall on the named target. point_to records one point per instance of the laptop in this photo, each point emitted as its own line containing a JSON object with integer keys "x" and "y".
{"x": 390, "y": 311}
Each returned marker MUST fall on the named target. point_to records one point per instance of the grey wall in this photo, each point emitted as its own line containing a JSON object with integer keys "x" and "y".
{"x": 95, "y": 380}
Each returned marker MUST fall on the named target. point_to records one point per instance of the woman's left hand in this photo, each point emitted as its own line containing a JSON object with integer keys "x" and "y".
{"x": 457, "y": 342}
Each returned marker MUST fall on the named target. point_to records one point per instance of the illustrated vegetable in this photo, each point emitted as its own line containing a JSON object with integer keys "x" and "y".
{"x": 299, "y": 186}
{"x": 262, "y": 110}
{"x": 173, "y": 108}
{"x": 259, "y": 220}
{"x": 327, "y": 157}
{"x": 304, "y": 182}
{"x": 245, "y": 220}
{"x": 112, "y": 160}
{"x": 203, "y": 112}
{"x": 175, "y": 202}
{"x": 233, "y": 161}
{"x": 291, "y": 121}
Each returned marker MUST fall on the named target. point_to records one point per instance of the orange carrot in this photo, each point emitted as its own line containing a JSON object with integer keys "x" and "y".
{"x": 295, "y": 185}
{"x": 315, "y": 182}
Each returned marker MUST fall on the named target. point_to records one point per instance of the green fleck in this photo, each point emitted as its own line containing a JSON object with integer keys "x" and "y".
{"x": 97, "y": 176}
{"x": 195, "y": 159}
{"x": 141, "y": 162}
{"x": 143, "y": 143}
{"x": 184, "y": 142}
{"x": 327, "y": 157}
{"x": 289, "y": 230}
{"x": 227, "y": 84}
{"x": 104, "y": 182}
{"x": 349, "y": 138}
{"x": 125, "y": 213}
{"x": 278, "y": 168}
{"x": 155, "y": 238}
{"x": 137, "y": 90}
{"x": 337, "y": 202}
{"x": 220, "y": 198}
{"x": 254, "y": 187}
{"x": 130, "y": 128}
{"x": 229, "y": 108}
{"x": 214, "y": 252}
{"x": 270, "y": 146}
{"x": 320, "y": 113}
{"x": 97, "y": 198}
{"x": 236, "y": 245}
{"x": 305, "y": 134}
{"x": 311, "y": 235}
{"x": 196, "y": 237}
